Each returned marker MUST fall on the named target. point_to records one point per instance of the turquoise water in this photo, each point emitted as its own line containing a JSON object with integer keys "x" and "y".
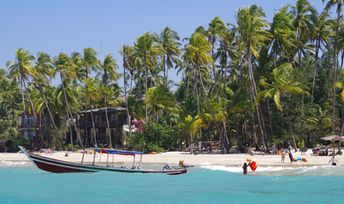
{"x": 30, "y": 185}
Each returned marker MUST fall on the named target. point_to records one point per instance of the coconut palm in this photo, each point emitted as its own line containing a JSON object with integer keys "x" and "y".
{"x": 109, "y": 77}
{"x": 216, "y": 28}
{"x": 41, "y": 81}
{"x": 66, "y": 68}
{"x": 252, "y": 33}
{"x": 196, "y": 53}
{"x": 127, "y": 57}
{"x": 329, "y": 5}
{"x": 90, "y": 92}
{"x": 283, "y": 84}
{"x": 159, "y": 99}
{"x": 322, "y": 33}
{"x": 146, "y": 51}
{"x": 21, "y": 70}
{"x": 168, "y": 43}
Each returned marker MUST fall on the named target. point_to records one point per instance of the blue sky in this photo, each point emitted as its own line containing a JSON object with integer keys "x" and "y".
{"x": 105, "y": 25}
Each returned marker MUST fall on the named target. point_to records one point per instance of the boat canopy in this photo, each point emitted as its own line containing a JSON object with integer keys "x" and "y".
{"x": 121, "y": 152}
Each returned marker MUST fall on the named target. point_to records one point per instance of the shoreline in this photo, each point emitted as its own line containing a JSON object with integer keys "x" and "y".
{"x": 228, "y": 160}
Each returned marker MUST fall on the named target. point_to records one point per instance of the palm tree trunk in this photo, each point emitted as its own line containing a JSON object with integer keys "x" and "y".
{"x": 125, "y": 91}
{"x": 108, "y": 128}
{"x": 51, "y": 118}
{"x": 165, "y": 70}
{"x": 291, "y": 129}
{"x": 93, "y": 129}
{"x": 211, "y": 111}
{"x": 70, "y": 112}
{"x": 317, "y": 47}
{"x": 335, "y": 71}
{"x": 214, "y": 72}
{"x": 22, "y": 93}
{"x": 146, "y": 87}
{"x": 254, "y": 95}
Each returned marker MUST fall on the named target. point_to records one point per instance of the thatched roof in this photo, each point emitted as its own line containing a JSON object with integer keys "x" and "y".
{"x": 333, "y": 138}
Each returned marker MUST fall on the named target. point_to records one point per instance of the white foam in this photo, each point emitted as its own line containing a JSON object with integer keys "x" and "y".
{"x": 13, "y": 163}
{"x": 325, "y": 170}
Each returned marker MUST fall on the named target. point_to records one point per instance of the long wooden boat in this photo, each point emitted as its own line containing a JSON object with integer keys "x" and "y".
{"x": 59, "y": 166}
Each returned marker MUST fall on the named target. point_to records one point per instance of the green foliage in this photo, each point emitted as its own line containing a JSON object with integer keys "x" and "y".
{"x": 248, "y": 82}
{"x": 155, "y": 138}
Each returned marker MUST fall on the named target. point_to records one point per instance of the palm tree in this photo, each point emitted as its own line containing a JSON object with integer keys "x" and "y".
{"x": 146, "y": 51}
{"x": 322, "y": 33}
{"x": 160, "y": 99}
{"x": 44, "y": 70}
{"x": 196, "y": 53}
{"x": 283, "y": 35}
{"x": 90, "y": 92}
{"x": 283, "y": 84}
{"x": 127, "y": 55}
{"x": 329, "y": 5}
{"x": 303, "y": 13}
{"x": 87, "y": 62}
{"x": 216, "y": 28}
{"x": 252, "y": 36}
{"x": 109, "y": 78}
{"x": 21, "y": 70}
{"x": 168, "y": 43}
{"x": 66, "y": 68}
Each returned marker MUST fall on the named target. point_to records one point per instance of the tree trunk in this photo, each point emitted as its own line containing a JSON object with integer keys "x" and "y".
{"x": 108, "y": 132}
{"x": 125, "y": 91}
{"x": 51, "y": 117}
{"x": 291, "y": 131}
{"x": 146, "y": 88}
{"x": 254, "y": 95}
{"x": 93, "y": 129}
{"x": 211, "y": 110}
{"x": 22, "y": 93}
{"x": 317, "y": 47}
{"x": 334, "y": 78}
{"x": 70, "y": 112}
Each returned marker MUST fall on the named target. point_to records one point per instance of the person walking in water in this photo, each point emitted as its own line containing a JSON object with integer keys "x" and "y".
{"x": 252, "y": 164}
{"x": 244, "y": 167}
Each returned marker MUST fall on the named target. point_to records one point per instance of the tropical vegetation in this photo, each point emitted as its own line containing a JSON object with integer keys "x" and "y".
{"x": 247, "y": 83}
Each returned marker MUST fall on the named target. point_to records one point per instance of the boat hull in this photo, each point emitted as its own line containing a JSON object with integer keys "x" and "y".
{"x": 59, "y": 166}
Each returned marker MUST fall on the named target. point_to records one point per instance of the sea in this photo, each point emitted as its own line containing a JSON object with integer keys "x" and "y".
{"x": 21, "y": 182}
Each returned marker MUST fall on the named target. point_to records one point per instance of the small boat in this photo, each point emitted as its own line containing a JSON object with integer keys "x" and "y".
{"x": 59, "y": 166}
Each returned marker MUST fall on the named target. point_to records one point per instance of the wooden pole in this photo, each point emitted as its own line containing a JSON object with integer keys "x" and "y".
{"x": 140, "y": 161}
{"x": 134, "y": 161}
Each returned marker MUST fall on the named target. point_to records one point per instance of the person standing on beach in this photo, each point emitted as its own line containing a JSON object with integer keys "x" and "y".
{"x": 291, "y": 157}
{"x": 283, "y": 155}
{"x": 274, "y": 149}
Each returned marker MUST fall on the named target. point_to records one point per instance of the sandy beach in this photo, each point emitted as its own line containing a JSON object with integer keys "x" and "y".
{"x": 189, "y": 159}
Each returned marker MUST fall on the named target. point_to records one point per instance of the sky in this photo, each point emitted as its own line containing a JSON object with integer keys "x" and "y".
{"x": 105, "y": 25}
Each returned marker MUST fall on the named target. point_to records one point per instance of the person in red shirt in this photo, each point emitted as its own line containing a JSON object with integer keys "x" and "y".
{"x": 252, "y": 164}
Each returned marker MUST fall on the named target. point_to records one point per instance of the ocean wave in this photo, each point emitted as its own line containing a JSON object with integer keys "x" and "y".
{"x": 13, "y": 163}
{"x": 325, "y": 170}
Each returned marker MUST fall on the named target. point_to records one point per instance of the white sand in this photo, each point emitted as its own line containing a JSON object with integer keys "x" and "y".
{"x": 174, "y": 157}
